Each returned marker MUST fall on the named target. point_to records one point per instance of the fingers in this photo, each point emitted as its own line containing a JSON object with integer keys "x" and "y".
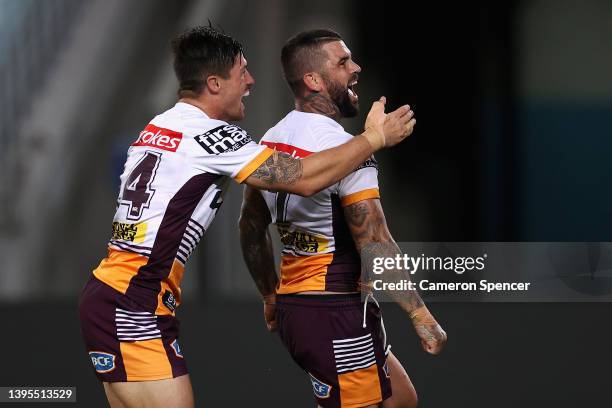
{"x": 410, "y": 126}
{"x": 271, "y": 325}
{"x": 433, "y": 337}
{"x": 395, "y": 126}
{"x": 404, "y": 118}
{"x": 402, "y": 115}
{"x": 435, "y": 343}
{"x": 270, "y": 316}
{"x": 401, "y": 111}
{"x": 379, "y": 105}
{"x": 433, "y": 348}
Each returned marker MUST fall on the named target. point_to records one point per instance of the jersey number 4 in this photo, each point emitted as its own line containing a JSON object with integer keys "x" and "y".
{"x": 137, "y": 192}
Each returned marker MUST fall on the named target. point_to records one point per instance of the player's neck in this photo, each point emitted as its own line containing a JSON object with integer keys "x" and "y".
{"x": 317, "y": 103}
{"x": 208, "y": 109}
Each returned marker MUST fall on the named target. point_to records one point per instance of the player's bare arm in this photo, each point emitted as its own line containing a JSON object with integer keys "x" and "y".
{"x": 366, "y": 221}
{"x": 281, "y": 172}
{"x": 257, "y": 250}
{"x": 280, "y": 168}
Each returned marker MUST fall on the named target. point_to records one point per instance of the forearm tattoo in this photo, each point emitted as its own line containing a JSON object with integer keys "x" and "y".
{"x": 280, "y": 168}
{"x": 368, "y": 227}
{"x": 409, "y": 300}
{"x": 257, "y": 245}
{"x": 257, "y": 254}
{"x": 425, "y": 332}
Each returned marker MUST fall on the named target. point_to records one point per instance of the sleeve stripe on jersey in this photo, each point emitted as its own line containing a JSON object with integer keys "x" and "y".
{"x": 253, "y": 165}
{"x": 359, "y": 196}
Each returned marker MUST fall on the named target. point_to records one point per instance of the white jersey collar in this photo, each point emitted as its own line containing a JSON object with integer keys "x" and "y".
{"x": 187, "y": 107}
{"x": 318, "y": 116}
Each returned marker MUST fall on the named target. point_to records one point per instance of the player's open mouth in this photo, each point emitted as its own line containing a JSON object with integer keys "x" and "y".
{"x": 351, "y": 90}
{"x": 244, "y": 95}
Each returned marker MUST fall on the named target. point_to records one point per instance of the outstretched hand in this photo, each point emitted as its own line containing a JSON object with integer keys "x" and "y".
{"x": 390, "y": 128}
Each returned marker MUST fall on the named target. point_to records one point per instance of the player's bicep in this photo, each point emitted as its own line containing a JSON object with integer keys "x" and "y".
{"x": 367, "y": 223}
{"x": 280, "y": 171}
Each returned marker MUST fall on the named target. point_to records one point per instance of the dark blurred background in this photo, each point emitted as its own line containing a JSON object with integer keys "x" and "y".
{"x": 513, "y": 102}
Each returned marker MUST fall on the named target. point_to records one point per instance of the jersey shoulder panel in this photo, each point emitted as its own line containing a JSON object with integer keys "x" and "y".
{"x": 328, "y": 133}
{"x": 217, "y": 147}
{"x": 307, "y": 131}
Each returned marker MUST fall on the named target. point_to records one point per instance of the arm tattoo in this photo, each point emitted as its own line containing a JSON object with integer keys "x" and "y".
{"x": 425, "y": 332}
{"x": 368, "y": 227}
{"x": 317, "y": 103}
{"x": 409, "y": 300}
{"x": 279, "y": 168}
{"x": 256, "y": 243}
{"x": 358, "y": 214}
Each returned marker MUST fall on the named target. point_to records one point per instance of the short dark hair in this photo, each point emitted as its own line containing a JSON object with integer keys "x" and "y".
{"x": 200, "y": 52}
{"x": 302, "y": 53}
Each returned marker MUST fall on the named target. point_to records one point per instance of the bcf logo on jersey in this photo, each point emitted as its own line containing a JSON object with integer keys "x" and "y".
{"x": 226, "y": 138}
{"x": 160, "y": 138}
{"x": 320, "y": 389}
{"x": 102, "y": 362}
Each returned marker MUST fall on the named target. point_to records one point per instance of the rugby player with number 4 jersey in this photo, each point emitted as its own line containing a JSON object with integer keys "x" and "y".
{"x": 337, "y": 338}
{"x": 176, "y": 172}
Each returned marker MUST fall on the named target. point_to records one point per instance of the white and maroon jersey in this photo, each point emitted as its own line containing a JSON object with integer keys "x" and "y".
{"x": 173, "y": 183}
{"x": 318, "y": 250}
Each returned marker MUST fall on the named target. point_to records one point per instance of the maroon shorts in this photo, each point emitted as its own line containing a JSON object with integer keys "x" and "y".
{"x": 126, "y": 342}
{"x": 326, "y": 338}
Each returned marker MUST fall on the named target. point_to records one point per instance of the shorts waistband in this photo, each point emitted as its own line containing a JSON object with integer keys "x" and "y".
{"x": 329, "y": 301}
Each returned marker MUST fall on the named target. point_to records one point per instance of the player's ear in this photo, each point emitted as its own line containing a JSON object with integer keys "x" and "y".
{"x": 213, "y": 84}
{"x": 313, "y": 82}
